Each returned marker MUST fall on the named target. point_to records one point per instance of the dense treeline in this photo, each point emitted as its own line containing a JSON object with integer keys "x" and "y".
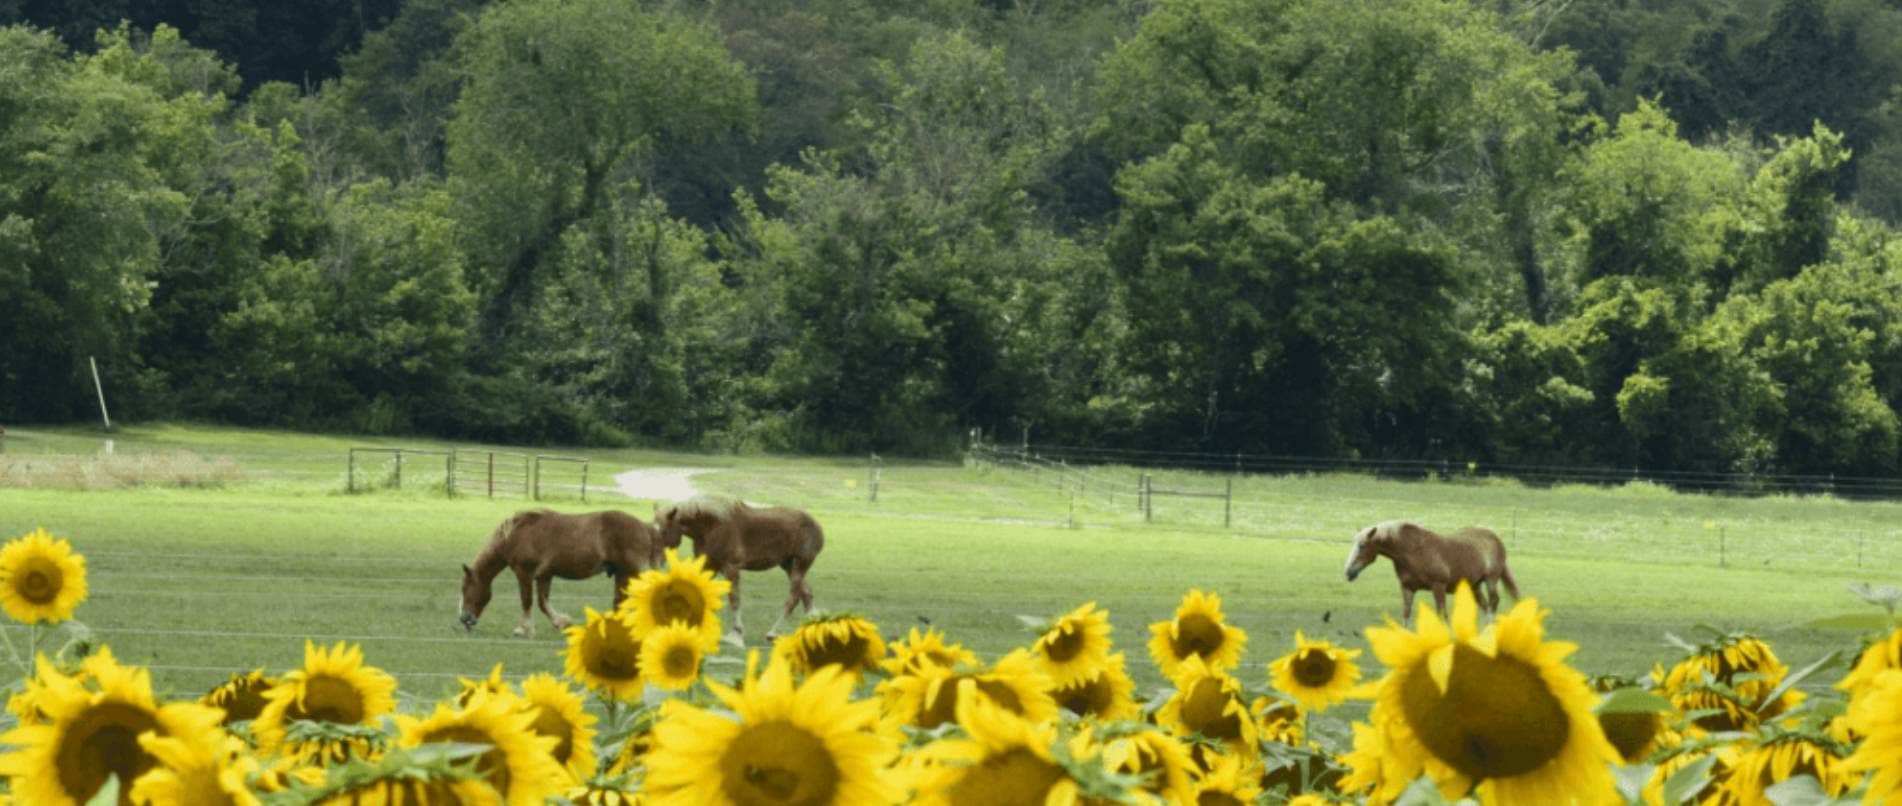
{"x": 1585, "y": 232}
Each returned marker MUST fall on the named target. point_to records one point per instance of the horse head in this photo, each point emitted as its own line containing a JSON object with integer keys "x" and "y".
{"x": 667, "y": 521}
{"x": 1365, "y": 550}
{"x": 475, "y": 596}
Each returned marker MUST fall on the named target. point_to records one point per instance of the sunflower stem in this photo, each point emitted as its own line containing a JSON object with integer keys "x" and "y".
{"x": 14, "y": 654}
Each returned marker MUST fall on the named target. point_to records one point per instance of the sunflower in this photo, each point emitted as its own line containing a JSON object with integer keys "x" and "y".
{"x": 1196, "y": 631}
{"x": 493, "y": 684}
{"x": 1233, "y": 782}
{"x": 406, "y": 791}
{"x": 41, "y": 578}
{"x": 1372, "y": 770}
{"x": 1278, "y": 720}
{"x": 1209, "y": 702}
{"x": 334, "y": 686}
{"x": 1499, "y": 709}
{"x": 1315, "y": 674}
{"x": 1075, "y": 647}
{"x": 1107, "y": 696}
{"x": 520, "y": 762}
{"x": 671, "y": 656}
{"x": 605, "y": 655}
{"x": 685, "y": 591}
{"x": 25, "y": 703}
{"x": 241, "y": 697}
{"x": 929, "y": 697}
{"x": 807, "y": 744}
{"x": 846, "y": 641}
{"x": 1782, "y": 756}
{"x": 91, "y": 736}
{"x": 1738, "y": 663}
{"x": 559, "y": 713}
{"x": 1007, "y": 759}
{"x": 1876, "y": 712}
{"x": 195, "y": 775}
{"x": 915, "y": 650}
{"x": 604, "y": 793}
{"x": 1158, "y": 757}
{"x": 1876, "y": 658}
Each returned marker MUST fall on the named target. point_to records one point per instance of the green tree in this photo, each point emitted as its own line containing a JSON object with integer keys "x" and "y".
{"x": 557, "y": 98}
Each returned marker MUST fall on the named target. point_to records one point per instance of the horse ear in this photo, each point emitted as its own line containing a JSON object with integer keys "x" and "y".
{"x": 466, "y": 572}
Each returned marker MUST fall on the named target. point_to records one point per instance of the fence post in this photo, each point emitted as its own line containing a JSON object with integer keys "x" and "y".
{"x": 350, "y": 484}
{"x": 449, "y": 474}
{"x": 535, "y": 479}
{"x": 873, "y": 466}
{"x": 1149, "y": 499}
{"x": 399, "y": 468}
{"x": 491, "y": 474}
{"x": 1073, "y": 507}
{"x": 584, "y": 481}
{"x": 1228, "y": 500}
{"x": 1720, "y": 546}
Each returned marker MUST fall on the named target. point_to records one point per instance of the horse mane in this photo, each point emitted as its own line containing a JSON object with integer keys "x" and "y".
{"x": 1394, "y": 530}
{"x": 718, "y": 506}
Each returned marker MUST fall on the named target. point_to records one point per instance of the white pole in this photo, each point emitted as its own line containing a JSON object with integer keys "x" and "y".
{"x": 101, "y": 390}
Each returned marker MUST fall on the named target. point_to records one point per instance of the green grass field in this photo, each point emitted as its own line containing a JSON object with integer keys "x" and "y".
{"x": 200, "y": 582}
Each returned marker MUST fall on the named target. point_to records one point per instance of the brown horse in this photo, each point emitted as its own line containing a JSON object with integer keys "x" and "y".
{"x": 735, "y": 536}
{"x": 1427, "y": 561}
{"x": 539, "y": 545}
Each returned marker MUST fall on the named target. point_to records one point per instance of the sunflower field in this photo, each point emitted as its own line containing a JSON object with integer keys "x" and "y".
{"x": 650, "y": 709}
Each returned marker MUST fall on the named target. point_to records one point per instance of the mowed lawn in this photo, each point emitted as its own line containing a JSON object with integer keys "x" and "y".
{"x": 198, "y": 583}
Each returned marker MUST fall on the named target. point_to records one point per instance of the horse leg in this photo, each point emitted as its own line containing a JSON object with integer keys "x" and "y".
{"x": 542, "y": 585}
{"x": 527, "y": 583}
{"x": 1439, "y": 601}
{"x": 796, "y": 593}
{"x": 1492, "y": 595}
{"x": 1406, "y": 606}
{"x": 620, "y": 588}
{"x": 738, "y": 634}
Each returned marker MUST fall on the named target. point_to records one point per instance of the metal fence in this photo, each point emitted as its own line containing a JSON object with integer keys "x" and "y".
{"x": 468, "y": 472}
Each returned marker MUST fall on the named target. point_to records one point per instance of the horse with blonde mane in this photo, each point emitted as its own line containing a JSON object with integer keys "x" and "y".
{"x": 1424, "y": 560}
{"x": 735, "y": 536}
{"x": 540, "y": 544}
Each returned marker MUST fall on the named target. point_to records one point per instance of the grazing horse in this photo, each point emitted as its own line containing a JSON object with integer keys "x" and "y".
{"x": 1427, "y": 561}
{"x": 539, "y": 545}
{"x": 735, "y": 536}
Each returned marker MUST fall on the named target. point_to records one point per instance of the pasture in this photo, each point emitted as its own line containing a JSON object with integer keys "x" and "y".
{"x": 201, "y": 582}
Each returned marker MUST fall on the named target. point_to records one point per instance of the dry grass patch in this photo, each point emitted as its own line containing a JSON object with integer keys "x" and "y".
{"x": 110, "y": 471}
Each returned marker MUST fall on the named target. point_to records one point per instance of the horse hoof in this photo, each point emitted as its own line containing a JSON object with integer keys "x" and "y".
{"x": 563, "y": 622}
{"x": 523, "y": 632}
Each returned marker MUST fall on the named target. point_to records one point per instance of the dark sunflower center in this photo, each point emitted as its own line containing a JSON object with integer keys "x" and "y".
{"x": 1313, "y": 668}
{"x": 942, "y": 708}
{"x": 1631, "y": 734}
{"x": 550, "y": 722}
{"x": 681, "y": 661}
{"x": 1002, "y": 694}
{"x": 1065, "y": 643}
{"x": 329, "y": 699}
{"x": 242, "y": 700}
{"x": 849, "y": 653}
{"x": 1206, "y": 711}
{"x": 1198, "y": 635}
{"x": 1217, "y": 799}
{"x": 1091, "y": 697}
{"x": 615, "y": 657}
{"x": 39, "y": 582}
{"x": 493, "y": 763}
{"x": 101, "y": 742}
{"x": 679, "y": 603}
{"x": 1497, "y": 718}
{"x": 1013, "y": 776}
{"x": 778, "y": 763}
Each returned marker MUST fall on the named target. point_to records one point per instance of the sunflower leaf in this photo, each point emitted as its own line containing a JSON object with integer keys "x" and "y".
{"x": 1633, "y": 701}
{"x": 1672, "y": 639}
{"x": 446, "y": 751}
{"x": 1422, "y": 792}
{"x": 1799, "y": 790}
{"x": 1036, "y": 624}
{"x": 1884, "y": 595}
{"x": 108, "y": 794}
{"x": 1797, "y": 676}
{"x": 1631, "y": 781}
{"x": 1687, "y": 782}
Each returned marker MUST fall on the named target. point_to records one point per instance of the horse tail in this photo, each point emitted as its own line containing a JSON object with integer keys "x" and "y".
{"x": 1505, "y": 575}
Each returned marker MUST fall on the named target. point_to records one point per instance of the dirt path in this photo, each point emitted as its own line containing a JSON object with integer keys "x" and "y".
{"x": 660, "y": 483}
